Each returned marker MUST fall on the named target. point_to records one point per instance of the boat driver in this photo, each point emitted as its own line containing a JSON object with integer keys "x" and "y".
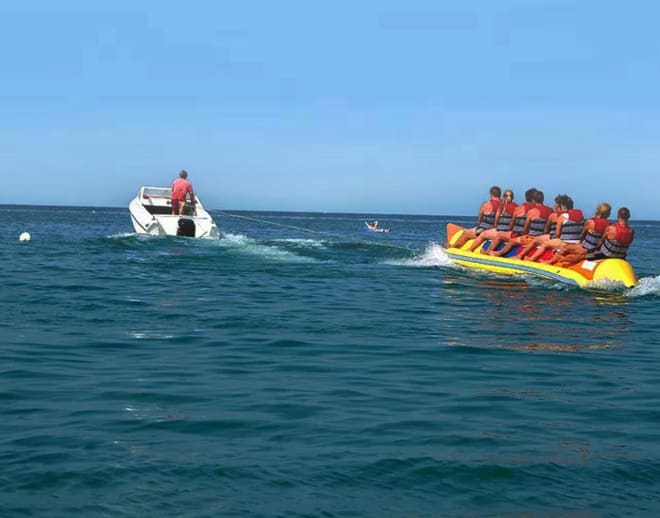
{"x": 180, "y": 188}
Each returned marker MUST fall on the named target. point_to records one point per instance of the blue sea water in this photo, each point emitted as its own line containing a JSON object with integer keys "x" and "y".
{"x": 305, "y": 367}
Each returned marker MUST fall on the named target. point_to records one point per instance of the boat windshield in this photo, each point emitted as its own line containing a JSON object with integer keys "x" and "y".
{"x": 156, "y": 192}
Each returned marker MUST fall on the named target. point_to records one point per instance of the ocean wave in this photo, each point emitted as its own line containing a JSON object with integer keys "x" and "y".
{"x": 150, "y": 335}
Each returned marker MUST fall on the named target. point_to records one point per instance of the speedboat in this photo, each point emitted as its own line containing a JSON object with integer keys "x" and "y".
{"x": 584, "y": 274}
{"x": 151, "y": 213}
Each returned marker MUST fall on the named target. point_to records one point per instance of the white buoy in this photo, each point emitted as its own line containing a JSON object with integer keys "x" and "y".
{"x": 25, "y": 236}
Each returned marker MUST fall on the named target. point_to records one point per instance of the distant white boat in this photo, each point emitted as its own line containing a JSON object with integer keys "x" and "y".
{"x": 373, "y": 227}
{"x": 151, "y": 213}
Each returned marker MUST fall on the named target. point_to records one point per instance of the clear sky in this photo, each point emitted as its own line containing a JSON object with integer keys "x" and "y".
{"x": 413, "y": 106}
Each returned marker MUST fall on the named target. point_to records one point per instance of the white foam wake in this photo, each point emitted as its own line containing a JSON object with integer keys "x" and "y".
{"x": 244, "y": 244}
{"x": 645, "y": 286}
{"x": 433, "y": 255}
{"x": 121, "y": 235}
{"x": 312, "y": 243}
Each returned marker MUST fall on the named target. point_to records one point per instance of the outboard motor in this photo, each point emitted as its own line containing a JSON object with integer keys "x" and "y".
{"x": 185, "y": 227}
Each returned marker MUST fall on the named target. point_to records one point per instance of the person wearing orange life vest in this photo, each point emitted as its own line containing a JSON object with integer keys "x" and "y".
{"x": 569, "y": 229}
{"x": 590, "y": 237}
{"x": 181, "y": 188}
{"x": 485, "y": 218}
{"x": 617, "y": 239}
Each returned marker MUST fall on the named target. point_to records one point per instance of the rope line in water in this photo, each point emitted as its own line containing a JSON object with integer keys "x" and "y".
{"x": 312, "y": 231}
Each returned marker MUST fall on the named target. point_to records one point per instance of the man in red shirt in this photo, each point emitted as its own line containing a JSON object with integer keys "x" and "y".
{"x": 180, "y": 188}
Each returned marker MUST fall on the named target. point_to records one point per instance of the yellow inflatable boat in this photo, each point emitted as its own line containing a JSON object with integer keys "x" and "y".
{"x": 580, "y": 274}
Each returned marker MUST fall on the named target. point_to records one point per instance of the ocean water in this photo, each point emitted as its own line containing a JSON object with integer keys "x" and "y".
{"x": 305, "y": 367}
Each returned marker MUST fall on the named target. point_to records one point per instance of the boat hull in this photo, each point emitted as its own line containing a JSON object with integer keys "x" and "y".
{"x": 581, "y": 274}
{"x": 150, "y": 214}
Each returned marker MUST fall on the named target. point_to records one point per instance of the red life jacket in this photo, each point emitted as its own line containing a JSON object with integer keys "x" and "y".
{"x": 618, "y": 247}
{"x": 544, "y": 211}
{"x": 504, "y": 220}
{"x": 537, "y": 224}
{"x": 600, "y": 224}
{"x": 510, "y": 207}
{"x": 624, "y": 234}
{"x": 575, "y": 215}
{"x": 572, "y": 227}
{"x": 488, "y": 220}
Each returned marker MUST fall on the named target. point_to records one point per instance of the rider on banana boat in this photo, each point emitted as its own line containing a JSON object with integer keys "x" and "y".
{"x": 485, "y": 218}
{"x": 503, "y": 220}
{"x": 616, "y": 240}
{"x": 551, "y": 225}
{"x": 537, "y": 219}
{"x": 569, "y": 228}
{"x": 590, "y": 238}
{"x": 517, "y": 224}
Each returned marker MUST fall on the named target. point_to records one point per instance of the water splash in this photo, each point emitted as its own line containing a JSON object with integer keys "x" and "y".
{"x": 540, "y": 282}
{"x": 645, "y": 286}
{"x": 236, "y": 238}
{"x": 433, "y": 255}
{"x": 122, "y": 235}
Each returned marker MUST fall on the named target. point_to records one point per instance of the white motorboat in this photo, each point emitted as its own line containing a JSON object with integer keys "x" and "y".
{"x": 151, "y": 213}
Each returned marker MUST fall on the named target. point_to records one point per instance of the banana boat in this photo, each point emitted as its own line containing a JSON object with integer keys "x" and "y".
{"x": 581, "y": 274}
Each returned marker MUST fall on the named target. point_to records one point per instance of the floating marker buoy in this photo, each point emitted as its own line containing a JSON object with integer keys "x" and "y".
{"x": 25, "y": 236}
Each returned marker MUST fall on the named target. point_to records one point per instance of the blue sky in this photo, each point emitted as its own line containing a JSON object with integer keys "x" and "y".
{"x": 375, "y": 106}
